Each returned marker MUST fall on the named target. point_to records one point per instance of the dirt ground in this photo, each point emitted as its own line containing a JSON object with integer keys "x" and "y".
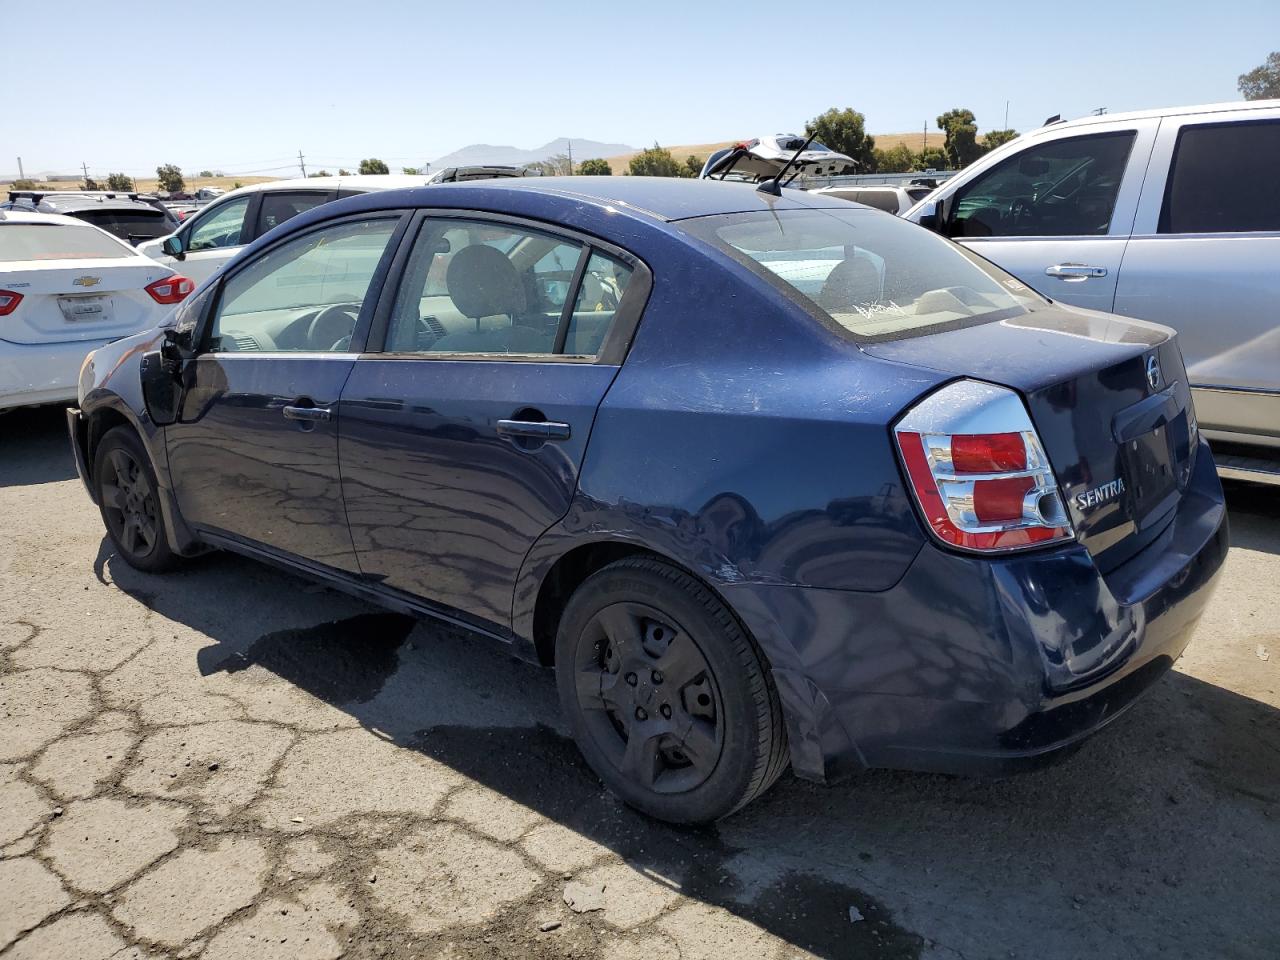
{"x": 229, "y": 762}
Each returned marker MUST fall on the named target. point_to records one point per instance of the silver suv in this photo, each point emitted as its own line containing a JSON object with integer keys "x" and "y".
{"x": 1168, "y": 215}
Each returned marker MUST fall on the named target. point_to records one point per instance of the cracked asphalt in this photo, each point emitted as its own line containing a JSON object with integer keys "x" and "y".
{"x": 230, "y": 762}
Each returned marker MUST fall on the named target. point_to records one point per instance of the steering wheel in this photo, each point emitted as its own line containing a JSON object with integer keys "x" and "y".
{"x": 332, "y": 325}
{"x": 1021, "y": 211}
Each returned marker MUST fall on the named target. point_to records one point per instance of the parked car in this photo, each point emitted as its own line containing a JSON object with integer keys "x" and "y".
{"x": 133, "y": 217}
{"x": 476, "y": 172}
{"x": 216, "y": 232}
{"x": 1169, "y": 215}
{"x": 766, "y": 479}
{"x": 891, "y": 199}
{"x": 67, "y": 287}
{"x": 763, "y": 157}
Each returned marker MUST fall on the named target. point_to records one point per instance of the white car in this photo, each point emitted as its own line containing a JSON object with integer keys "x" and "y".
{"x": 215, "y": 233}
{"x": 895, "y": 200}
{"x": 68, "y": 288}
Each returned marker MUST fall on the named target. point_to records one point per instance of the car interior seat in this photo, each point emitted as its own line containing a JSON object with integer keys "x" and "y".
{"x": 483, "y": 285}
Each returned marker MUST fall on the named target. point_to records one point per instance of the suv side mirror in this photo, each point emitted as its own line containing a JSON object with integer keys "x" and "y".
{"x": 172, "y": 245}
{"x": 930, "y": 217}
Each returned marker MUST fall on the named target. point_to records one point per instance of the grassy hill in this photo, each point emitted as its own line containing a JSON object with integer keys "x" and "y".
{"x": 149, "y": 185}
{"x": 885, "y": 141}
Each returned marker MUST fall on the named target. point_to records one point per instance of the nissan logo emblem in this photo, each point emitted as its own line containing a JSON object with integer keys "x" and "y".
{"x": 1153, "y": 372}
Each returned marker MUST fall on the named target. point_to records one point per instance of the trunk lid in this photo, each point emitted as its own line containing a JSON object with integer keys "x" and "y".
{"x": 70, "y": 300}
{"x": 1110, "y": 401}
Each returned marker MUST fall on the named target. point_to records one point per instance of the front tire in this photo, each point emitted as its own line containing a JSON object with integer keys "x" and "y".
{"x": 129, "y": 499}
{"x": 670, "y": 701}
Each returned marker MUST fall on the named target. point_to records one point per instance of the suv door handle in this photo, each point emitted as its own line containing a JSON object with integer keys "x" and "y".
{"x": 534, "y": 429}
{"x": 1074, "y": 271}
{"x": 311, "y": 414}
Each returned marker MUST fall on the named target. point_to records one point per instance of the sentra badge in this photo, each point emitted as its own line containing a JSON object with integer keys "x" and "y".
{"x": 1100, "y": 494}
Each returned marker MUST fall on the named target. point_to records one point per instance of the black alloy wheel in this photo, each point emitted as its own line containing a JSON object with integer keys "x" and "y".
{"x": 128, "y": 499}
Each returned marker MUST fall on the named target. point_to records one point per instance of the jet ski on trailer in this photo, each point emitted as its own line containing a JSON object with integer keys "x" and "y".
{"x": 765, "y": 157}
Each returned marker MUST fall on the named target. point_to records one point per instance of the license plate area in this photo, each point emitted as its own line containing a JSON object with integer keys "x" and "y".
{"x": 86, "y": 309}
{"x": 1156, "y": 466}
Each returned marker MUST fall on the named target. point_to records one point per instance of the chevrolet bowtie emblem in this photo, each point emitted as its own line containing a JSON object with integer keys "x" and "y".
{"x": 86, "y": 281}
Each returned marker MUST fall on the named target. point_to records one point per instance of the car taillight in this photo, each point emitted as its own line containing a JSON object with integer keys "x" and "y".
{"x": 172, "y": 289}
{"x": 979, "y": 472}
{"x": 9, "y": 302}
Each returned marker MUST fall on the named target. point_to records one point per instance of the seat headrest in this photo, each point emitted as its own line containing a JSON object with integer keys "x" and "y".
{"x": 482, "y": 282}
{"x": 853, "y": 281}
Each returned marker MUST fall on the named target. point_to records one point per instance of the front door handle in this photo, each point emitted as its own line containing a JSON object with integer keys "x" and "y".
{"x": 1074, "y": 271}
{"x": 310, "y": 414}
{"x": 534, "y": 429}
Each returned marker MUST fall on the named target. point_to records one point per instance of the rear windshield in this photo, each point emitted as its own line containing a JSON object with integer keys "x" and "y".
{"x": 57, "y": 241}
{"x": 873, "y": 276}
{"x": 131, "y": 225}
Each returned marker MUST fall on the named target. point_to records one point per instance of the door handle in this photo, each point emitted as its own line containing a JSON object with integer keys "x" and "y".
{"x": 1074, "y": 271}
{"x": 310, "y": 414}
{"x": 534, "y": 429}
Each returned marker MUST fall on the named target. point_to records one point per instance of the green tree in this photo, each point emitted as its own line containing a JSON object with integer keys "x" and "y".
{"x": 1262, "y": 83}
{"x": 844, "y": 131}
{"x": 319, "y": 173}
{"x": 24, "y": 184}
{"x": 373, "y": 165}
{"x": 931, "y": 158}
{"x": 897, "y": 159}
{"x": 169, "y": 177}
{"x": 343, "y": 173}
{"x": 961, "y": 146}
{"x": 655, "y": 162}
{"x": 692, "y": 166}
{"x": 237, "y": 185}
{"x": 205, "y": 173}
{"x": 90, "y": 184}
{"x": 119, "y": 181}
{"x": 410, "y": 171}
{"x": 595, "y": 168}
{"x": 997, "y": 138}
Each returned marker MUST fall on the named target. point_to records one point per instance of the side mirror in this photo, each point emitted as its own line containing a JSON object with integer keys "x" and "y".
{"x": 929, "y": 216}
{"x": 160, "y": 387}
{"x": 173, "y": 247}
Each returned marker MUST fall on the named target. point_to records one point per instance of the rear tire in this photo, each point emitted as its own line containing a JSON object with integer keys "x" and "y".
{"x": 669, "y": 700}
{"x": 129, "y": 500}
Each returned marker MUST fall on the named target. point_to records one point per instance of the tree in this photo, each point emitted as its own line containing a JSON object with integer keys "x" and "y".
{"x": 595, "y": 168}
{"x": 1262, "y": 83}
{"x": 410, "y": 171}
{"x": 655, "y": 162}
{"x": 373, "y": 166}
{"x": 169, "y": 177}
{"x": 997, "y": 138}
{"x": 24, "y": 184}
{"x": 692, "y": 166}
{"x": 119, "y": 181}
{"x": 897, "y": 159}
{"x": 205, "y": 173}
{"x": 931, "y": 158}
{"x": 844, "y": 131}
{"x": 91, "y": 184}
{"x": 321, "y": 173}
{"x": 343, "y": 173}
{"x": 961, "y": 146}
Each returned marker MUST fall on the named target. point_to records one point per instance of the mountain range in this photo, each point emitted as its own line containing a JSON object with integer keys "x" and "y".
{"x": 488, "y": 153}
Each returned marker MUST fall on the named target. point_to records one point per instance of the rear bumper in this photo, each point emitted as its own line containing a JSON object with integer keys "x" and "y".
{"x": 970, "y": 665}
{"x": 78, "y": 434}
{"x": 38, "y": 373}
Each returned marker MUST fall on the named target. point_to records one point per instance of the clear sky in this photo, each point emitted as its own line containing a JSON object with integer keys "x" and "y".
{"x": 242, "y": 86}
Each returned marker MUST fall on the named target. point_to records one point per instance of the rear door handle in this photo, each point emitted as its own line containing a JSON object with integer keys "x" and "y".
{"x": 311, "y": 414}
{"x": 534, "y": 429}
{"x": 1074, "y": 271}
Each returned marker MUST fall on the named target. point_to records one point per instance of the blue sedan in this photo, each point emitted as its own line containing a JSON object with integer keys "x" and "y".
{"x": 768, "y": 480}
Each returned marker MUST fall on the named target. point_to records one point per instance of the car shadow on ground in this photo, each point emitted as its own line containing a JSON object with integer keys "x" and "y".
{"x": 34, "y": 447}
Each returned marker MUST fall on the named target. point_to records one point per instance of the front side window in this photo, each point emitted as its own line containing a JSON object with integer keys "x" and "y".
{"x": 304, "y": 295}
{"x": 220, "y": 228}
{"x": 48, "y": 241}
{"x": 1223, "y": 179}
{"x": 1063, "y": 188}
{"x": 279, "y": 206}
{"x": 479, "y": 287}
{"x": 873, "y": 276}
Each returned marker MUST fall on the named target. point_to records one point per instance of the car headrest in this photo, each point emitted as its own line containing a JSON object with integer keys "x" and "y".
{"x": 853, "y": 281}
{"x": 482, "y": 282}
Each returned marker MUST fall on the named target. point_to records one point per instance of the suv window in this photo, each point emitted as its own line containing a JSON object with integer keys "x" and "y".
{"x": 478, "y": 287}
{"x": 1063, "y": 188}
{"x": 220, "y": 228}
{"x": 280, "y": 205}
{"x": 132, "y": 225}
{"x": 305, "y": 294}
{"x": 1223, "y": 179}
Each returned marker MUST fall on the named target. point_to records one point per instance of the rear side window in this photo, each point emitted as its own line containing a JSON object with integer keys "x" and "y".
{"x": 131, "y": 225}
{"x": 279, "y": 206}
{"x": 1224, "y": 179}
{"x": 1063, "y": 188}
{"x": 48, "y": 241}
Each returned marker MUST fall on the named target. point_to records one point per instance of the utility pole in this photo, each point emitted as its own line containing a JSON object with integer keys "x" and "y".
{"x": 570, "y": 145}
{"x": 302, "y": 163}
{"x": 1098, "y": 111}
{"x": 85, "y": 167}
{"x": 21, "y": 174}
{"x": 924, "y": 138}
{"x": 1006, "y": 115}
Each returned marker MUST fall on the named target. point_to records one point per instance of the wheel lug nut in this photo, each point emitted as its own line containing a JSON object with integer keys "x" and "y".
{"x": 631, "y": 679}
{"x": 666, "y": 711}
{"x": 641, "y": 714}
{"x": 657, "y": 677}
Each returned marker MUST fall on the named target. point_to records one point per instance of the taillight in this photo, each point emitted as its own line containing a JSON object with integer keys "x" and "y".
{"x": 172, "y": 289}
{"x": 978, "y": 471}
{"x": 9, "y": 302}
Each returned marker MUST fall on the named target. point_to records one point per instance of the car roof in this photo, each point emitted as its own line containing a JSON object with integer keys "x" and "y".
{"x": 99, "y": 203}
{"x": 1230, "y": 106}
{"x": 662, "y": 198}
{"x": 27, "y": 216}
{"x": 355, "y": 181}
